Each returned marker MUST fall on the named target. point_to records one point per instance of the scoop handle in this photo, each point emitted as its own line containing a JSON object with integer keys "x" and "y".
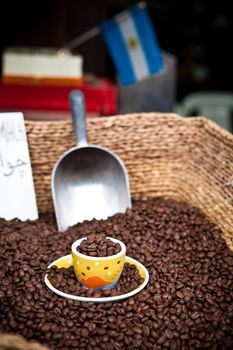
{"x": 77, "y": 104}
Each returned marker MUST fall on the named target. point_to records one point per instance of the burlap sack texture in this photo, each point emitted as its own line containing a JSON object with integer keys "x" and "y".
{"x": 188, "y": 159}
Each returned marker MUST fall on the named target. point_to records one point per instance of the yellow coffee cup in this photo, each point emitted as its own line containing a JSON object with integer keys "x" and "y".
{"x": 98, "y": 272}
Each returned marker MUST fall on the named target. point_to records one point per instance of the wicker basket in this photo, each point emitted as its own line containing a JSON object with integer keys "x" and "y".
{"x": 188, "y": 159}
{"x": 166, "y": 155}
{"x": 16, "y": 342}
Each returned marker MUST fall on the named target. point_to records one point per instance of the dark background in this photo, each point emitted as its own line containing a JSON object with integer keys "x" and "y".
{"x": 197, "y": 32}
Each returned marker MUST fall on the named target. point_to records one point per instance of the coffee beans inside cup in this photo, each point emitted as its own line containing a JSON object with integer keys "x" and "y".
{"x": 98, "y": 245}
{"x": 187, "y": 304}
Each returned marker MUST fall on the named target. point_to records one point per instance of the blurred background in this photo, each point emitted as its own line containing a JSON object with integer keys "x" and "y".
{"x": 196, "y": 35}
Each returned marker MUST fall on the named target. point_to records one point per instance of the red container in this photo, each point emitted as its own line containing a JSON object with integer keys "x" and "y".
{"x": 101, "y": 99}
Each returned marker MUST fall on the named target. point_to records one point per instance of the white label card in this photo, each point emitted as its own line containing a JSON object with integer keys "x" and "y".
{"x": 17, "y": 193}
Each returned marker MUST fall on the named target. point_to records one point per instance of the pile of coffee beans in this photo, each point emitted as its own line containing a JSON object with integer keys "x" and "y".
{"x": 98, "y": 245}
{"x": 66, "y": 281}
{"x": 187, "y": 304}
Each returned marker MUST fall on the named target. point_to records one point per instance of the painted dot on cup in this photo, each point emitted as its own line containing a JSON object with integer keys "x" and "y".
{"x": 106, "y": 267}
{"x": 88, "y": 268}
{"x": 83, "y": 274}
{"x": 118, "y": 262}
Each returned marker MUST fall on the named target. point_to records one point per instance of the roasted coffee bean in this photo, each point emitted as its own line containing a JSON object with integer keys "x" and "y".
{"x": 98, "y": 245}
{"x": 180, "y": 295}
{"x": 129, "y": 280}
{"x": 187, "y": 304}
{"x": 194, "y": 315}
{"x": 161, "y": 340}
{"x": 168, "y": 334}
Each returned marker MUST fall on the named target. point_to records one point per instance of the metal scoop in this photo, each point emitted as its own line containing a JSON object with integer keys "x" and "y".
{"x": 88, "y": 181}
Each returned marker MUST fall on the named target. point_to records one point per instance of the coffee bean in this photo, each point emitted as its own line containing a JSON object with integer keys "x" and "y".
{"x": 180, "y": 295}
{"x": 146, "y": 331}
{"x": 188, "y": 303}
{"x": 128, "y": 281}
{"x": 102, "y": 253}
{"x": 161, "y": 340}
{"x": 85, "y": 332}
{"x": 173, "y": 311}
{"x": 69, "y": 323}
{"x": 167, "y": 296}
{"x": 209, "y": 299}
{"x": 168, "y": 333}
{"x": 195, "y": 315}
{"x": 57, "y": 336}
{"x": 98, "y": 245}
{"x": 50, "y": 305}
{"x": 92, "y": 253}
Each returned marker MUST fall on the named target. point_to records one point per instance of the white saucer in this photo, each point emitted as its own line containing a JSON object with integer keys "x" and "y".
{"x": 67, "y": 261}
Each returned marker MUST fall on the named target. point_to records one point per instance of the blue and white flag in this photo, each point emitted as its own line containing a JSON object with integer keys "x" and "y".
{"x": 133, "y": 45}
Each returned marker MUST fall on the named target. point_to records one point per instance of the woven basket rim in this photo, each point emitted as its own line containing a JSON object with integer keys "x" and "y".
{"x": 190, "y": 158}
{"x": 190, "y": 119}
